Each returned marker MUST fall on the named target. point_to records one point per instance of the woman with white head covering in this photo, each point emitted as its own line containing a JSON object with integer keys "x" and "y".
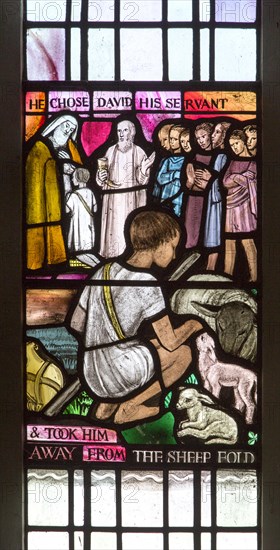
{"x": 45, "y": 242}
{"x": 65, "y": 121}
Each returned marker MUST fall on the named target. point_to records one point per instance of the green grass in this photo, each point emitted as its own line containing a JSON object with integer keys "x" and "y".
{"x": 158, "y": 432}
{"x": 80, "y": 405}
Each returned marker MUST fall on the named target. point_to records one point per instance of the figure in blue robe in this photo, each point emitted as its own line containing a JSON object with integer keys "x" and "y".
{"x": 213, "y": 222}
{"x": 168, "y": 187}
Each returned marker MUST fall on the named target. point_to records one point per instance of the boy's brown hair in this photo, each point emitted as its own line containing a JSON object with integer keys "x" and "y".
{"x": 149, "y": 229}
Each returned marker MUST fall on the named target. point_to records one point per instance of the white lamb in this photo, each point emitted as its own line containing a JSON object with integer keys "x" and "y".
{"x": 203, "y": 420}
{"x": 216, "y": 374}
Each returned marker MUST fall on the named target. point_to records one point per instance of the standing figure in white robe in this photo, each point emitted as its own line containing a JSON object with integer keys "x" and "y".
{"x": 128, "y": 171}
{"x": 81, "y": 205}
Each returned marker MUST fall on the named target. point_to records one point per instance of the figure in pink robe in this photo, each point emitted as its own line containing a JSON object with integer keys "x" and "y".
{"x": 240, "y": 180}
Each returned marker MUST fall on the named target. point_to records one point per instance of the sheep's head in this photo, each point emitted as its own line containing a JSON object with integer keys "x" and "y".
{"x": 234, "y": 324}
{"x": 190, "y": 397}
{"x": 187, "y": 398}
{"x": 206, "y": 346}
{"x": 205, "y": 342}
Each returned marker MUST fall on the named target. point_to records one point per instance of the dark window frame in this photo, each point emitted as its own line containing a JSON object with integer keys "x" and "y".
{"x": 10, "y": 278}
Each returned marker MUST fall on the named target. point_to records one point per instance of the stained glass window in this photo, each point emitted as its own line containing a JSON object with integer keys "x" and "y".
{"x": 141, "y": 279}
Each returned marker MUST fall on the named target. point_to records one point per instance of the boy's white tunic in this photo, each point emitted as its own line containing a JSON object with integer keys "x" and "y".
{"x": 81, "y": 235}
{"x": 117, "y": 369}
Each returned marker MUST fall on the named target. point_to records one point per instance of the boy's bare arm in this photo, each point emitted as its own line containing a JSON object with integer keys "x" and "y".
{"x": 171, "y": 338}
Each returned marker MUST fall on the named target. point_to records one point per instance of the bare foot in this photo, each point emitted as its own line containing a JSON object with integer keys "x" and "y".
{"x": 105, "y": 410}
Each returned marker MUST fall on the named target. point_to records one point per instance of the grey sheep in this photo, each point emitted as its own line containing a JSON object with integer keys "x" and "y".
{"x": 230, "y": 312}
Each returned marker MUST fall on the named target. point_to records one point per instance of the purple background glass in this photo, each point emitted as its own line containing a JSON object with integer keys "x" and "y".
{"x": 46, "y": 54}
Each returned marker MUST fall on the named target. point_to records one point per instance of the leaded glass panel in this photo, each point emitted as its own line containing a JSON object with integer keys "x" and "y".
{"x": 142, "y": 275}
